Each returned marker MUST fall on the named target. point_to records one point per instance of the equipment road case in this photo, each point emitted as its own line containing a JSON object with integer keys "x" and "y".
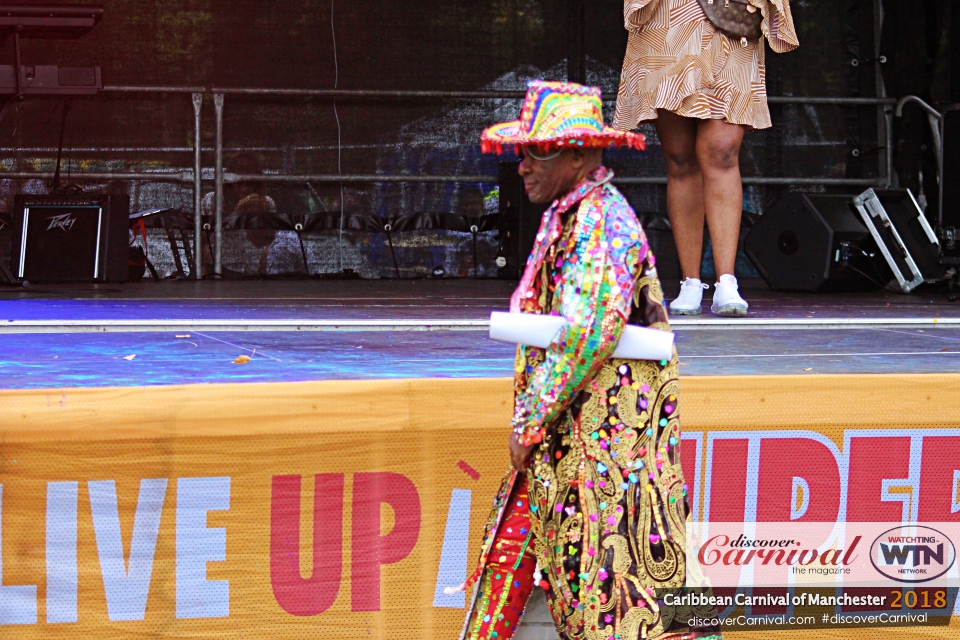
{"x": 902, "y": 233}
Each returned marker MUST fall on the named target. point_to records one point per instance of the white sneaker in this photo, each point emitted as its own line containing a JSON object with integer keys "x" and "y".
{"x": 690, "y": 298}
{"x": 726, "y": 299}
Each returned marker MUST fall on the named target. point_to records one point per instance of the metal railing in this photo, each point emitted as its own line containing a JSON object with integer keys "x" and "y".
{"x": 936, "y": 121}
{"x": 221, "y": 177}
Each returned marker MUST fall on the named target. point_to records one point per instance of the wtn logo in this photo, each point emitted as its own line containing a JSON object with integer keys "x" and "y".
{"x": 64, "y": 221}
{"x": 912, "y": 553}
{"x": 922, "y": 553}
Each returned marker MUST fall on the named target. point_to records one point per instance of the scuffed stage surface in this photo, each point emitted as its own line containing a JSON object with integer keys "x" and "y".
{"x": 388, "y": 298}
{"x": 888, "y": 333}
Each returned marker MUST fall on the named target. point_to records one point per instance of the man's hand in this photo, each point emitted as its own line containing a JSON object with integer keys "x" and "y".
{"x": 519, "y": 453}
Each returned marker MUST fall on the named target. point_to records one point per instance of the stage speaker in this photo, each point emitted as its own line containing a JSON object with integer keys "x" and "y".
{"x": 815, "y": 242}
{"x": 71, "y": 238}
{"x": 519, "y": 222}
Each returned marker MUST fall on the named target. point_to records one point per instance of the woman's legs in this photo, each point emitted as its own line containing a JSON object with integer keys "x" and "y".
{"x": 703, "y": 181}
{"x": 718, "y": 156}
{"x": 685, "y": 193}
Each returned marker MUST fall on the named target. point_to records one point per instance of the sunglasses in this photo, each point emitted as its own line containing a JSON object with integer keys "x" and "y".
{"x": 536, "y": 155}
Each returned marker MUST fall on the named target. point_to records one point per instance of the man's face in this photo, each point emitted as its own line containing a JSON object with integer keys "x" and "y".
{"x": 547, "y": 180}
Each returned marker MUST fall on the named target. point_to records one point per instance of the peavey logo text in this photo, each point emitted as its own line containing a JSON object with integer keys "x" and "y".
{"x": 63, "y": 221}
{"x": 912, "y": 553}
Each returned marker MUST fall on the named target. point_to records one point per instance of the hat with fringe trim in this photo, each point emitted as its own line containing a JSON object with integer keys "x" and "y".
{"x": 558, "y": 115}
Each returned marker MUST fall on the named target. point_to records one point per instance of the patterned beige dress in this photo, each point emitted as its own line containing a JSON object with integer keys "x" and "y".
{"x": 677, "y": 60}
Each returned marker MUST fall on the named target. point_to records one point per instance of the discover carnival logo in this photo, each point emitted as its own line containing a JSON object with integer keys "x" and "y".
{"x": 912, "y": 554}
{"x": 741, "y": 551}
{"x": 63, "y": 222}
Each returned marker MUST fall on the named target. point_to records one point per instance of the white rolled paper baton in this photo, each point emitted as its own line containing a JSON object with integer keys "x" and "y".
{"x": 636, "y": 343}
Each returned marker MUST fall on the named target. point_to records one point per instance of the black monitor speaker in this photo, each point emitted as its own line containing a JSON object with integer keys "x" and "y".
{"x": 71, "y": 238}
{"x": 815, "y": 242}
{"x": 519, "y": 222}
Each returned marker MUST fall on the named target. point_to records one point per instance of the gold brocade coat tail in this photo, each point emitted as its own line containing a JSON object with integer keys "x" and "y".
{"x": 609, "y": 496}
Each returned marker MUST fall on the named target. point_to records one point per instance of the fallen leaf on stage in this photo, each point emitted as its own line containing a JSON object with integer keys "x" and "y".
{"x": 242, "y": 360}
{"x": 808, "y": 369}
{"x": 130, "y": 357}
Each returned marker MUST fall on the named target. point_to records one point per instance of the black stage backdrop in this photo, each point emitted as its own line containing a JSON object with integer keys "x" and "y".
{"x": 432, "y": 45}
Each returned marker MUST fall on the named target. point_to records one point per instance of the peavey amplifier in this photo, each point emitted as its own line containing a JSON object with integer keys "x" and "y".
{"x": 71, "y": 238}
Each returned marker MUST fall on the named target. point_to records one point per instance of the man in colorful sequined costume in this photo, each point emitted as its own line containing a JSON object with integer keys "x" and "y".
{"x": 596, "y": 439}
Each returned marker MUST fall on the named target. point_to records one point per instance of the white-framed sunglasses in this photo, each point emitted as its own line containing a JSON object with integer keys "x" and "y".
{"x": 536, "y": 155}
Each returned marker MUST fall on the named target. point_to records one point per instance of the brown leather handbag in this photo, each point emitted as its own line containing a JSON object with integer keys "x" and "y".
{"x": 733, "y": 18}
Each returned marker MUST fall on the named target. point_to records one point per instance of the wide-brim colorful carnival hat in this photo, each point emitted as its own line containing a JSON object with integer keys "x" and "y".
{"x": 558, "y": 115}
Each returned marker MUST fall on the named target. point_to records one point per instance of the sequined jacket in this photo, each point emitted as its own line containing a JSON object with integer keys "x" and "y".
{"x": 596, "y": 274}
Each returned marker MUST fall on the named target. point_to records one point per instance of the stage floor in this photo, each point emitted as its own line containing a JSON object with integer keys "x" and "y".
{"x": 187, "y": 332}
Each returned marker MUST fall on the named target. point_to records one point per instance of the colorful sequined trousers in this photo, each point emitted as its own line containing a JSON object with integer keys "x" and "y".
{"x": 608, "y": 499}
{"x": 507, "y": 579}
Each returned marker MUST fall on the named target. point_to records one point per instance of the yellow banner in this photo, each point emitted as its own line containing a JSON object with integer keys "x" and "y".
{"x": 343, "y": 509}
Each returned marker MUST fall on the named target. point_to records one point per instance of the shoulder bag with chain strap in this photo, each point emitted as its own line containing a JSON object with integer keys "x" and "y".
{"x": 733, "y": 18}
